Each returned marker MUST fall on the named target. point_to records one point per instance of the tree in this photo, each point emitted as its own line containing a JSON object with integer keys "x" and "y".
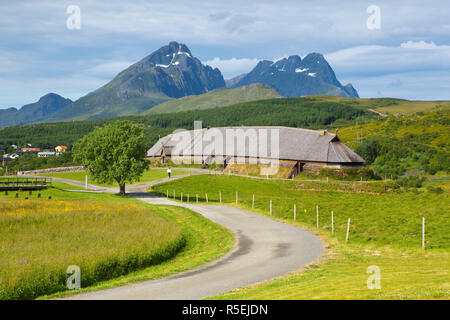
{"x": 114, "y": 153}
{"x": 369, "y": 150}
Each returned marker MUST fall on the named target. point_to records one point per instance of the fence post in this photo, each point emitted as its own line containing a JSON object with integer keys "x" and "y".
{"x": 317, "y": 211}
{"x": 270, "y": 207}
{"x": 348, "y": 229}
{"x": 253, "y": 201}
{"x": 181, "y": 197}
{"x": 295, "y": 212}
{"x": 206, "y": 196}
{"x": 220, "y": 196}
{"x": 332, "y": 222}
{"x": 423, "y": 233}
{"x": 236, "y": 197}
{"x": 86, "y": 182}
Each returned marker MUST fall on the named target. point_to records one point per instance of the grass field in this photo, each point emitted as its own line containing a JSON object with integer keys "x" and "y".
{"x": 57, "y": 192}
{"x": 404, "y": 274}
{"x": 202, "y": 241}
{"x": 149, "y": 175}
{"x": 387, "y": 105}
{"x": 41, "y": 238}
{"x": 385, "y": 231}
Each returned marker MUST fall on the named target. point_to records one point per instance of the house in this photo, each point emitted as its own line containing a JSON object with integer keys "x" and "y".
{"x": 60, "y": 149}
{"x": 284, "y": 146}
{"x": 47, "y": 154}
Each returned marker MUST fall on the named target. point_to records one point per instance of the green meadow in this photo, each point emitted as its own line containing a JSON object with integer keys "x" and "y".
{"x": 385, "y": 230}
{"x": 115, "y": 240}
{"x": 148, "y": 175}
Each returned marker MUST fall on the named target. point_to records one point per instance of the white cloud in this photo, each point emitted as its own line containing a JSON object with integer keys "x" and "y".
{"x": 376, "y": 59}
{"x": 418, "y": 45}
{"x": 36, "y": 42}
{"x": 234, "y": 66}
{"x": 108, "y": 69}
{"x": 412, "y": 85}
{"x": 411, "y": 70}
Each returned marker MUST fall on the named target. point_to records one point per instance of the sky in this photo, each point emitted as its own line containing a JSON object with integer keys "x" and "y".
{"x": 405, "y": 55}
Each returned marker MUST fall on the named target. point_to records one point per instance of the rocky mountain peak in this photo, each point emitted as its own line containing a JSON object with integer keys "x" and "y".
{"x": 293, "y": 76}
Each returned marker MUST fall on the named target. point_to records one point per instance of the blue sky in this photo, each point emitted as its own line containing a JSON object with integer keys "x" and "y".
{"x": 408, "y": 57}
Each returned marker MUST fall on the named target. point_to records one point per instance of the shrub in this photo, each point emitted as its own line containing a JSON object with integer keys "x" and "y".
{"x": 435, "y": 190}
{"x": 344, "y": 173}
{"x": 411, "y": 181}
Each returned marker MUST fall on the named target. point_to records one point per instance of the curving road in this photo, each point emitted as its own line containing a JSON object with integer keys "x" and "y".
{"x": 265, "y": 249}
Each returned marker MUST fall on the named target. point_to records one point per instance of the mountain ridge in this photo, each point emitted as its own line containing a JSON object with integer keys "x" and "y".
{"x": 169, "y": 72}
{"x": 41, "y": 110}
{"x": 294, "y": 77}
{"x": 172, "y": 72}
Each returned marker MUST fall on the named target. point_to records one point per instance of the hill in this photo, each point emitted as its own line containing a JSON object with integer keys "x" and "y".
{"x": 34, "y": 112}
{"x": 414, "y": 144}
{"x": 387, "y": 106}
{"x": 169, "y": 72}
{"x": 216, "y": 98}
{"x": 294, "y": 77}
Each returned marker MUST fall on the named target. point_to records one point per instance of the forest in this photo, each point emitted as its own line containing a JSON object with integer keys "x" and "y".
{"x": 291, "y": 112}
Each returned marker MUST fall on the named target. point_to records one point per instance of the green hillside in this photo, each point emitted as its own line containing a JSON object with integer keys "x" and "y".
{"x": 386, "y": 105}
{"x": 216, "y": 98}
{"x": 104, "y": 103}
{"x": 418, "y": 143}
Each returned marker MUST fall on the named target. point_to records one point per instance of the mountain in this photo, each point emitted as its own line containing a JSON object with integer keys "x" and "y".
{"x": 34, "y": 112}
{"x": 294, "y": 77}
{"x": 216, "y": 98}
{"x": 170, "y": 72}
{"x": 231, "y": 82}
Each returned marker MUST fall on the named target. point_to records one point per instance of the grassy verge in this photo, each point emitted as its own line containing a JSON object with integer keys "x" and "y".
{"x": 385, "y": 231}
{"x": 149, "y": 175}
{"x": 204, "y": 241}
{"x": 41, "y": 238}
{"x": 404, "y": 274}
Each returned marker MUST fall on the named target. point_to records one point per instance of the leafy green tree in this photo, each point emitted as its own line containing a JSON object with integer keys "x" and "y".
{"x": 114, "y": 153}
{"x": 369, "y": 150}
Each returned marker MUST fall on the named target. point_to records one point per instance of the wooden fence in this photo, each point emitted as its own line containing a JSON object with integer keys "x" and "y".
{"x": 24, "y": 183}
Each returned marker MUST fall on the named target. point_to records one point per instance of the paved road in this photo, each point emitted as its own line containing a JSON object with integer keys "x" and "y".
{"x": 265, "y": 249}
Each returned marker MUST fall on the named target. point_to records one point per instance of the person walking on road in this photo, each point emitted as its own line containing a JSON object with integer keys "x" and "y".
{"x": 169, "y": 172}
